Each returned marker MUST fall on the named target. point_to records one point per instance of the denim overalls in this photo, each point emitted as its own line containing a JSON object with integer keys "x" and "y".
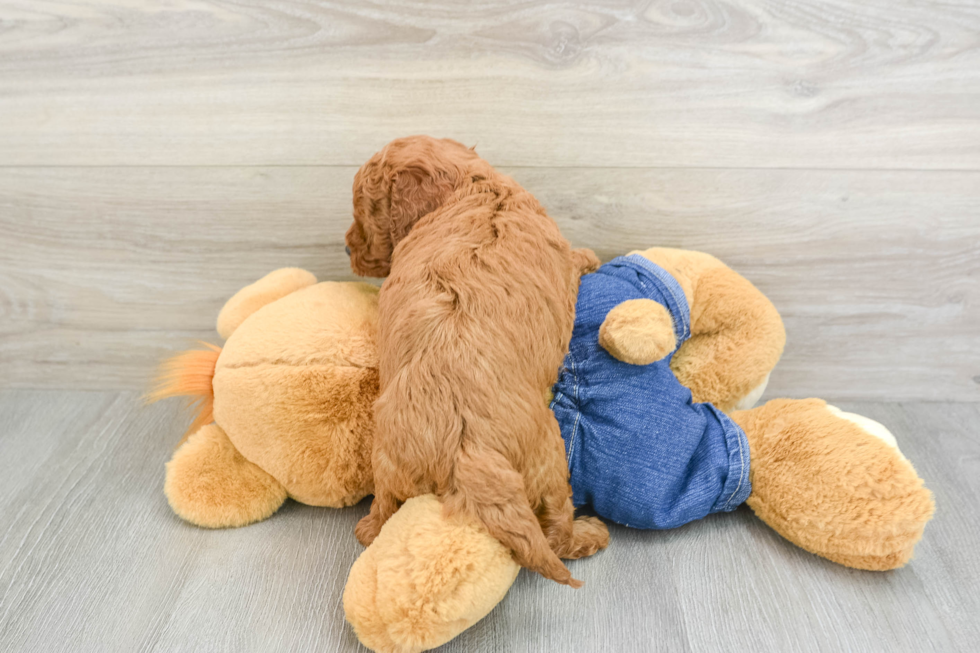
{"x": 640, "y": 452}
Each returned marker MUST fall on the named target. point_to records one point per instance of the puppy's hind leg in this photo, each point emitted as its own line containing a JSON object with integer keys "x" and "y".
{"x": 589, "y": 535}
{"x": 569, "y": 537}
{"x": 586, "y": 536}
{"x": 384, "y": 504}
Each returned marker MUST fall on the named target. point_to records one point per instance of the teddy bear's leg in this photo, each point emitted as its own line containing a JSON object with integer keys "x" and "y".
{"x": 273, "y": 286}
{"x": 834, "y": 483}
{"x": 737, "y": 335}
{"x": 638, "y": 332}
{"x": 210, "y": 484}
{"x": 425, "y": 579}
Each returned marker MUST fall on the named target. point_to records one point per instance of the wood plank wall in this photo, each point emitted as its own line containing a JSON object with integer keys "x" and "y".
{"x": 155, "y": 157}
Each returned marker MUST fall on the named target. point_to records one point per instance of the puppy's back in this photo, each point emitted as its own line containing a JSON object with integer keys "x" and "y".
{"x": 475, "y": 319}
{"x": 491, "y": 286}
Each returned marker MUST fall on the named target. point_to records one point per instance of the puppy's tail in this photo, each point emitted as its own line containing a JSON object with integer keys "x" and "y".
{"x": 189, "y": 374}
{"x": 488, "y": 487}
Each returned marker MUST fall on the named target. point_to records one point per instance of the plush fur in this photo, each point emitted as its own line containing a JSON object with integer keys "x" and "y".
{"x": 832, "y": 487}
{"x": 474, "y": 321}
{"x": 272, "y": 378}
{"x": 432, "y": 577}
{"x": 638, "y": 331}
{"x": 737, "y": 335}
{"x": 266, "y": 290}
{"x": 291, "y": 396}
{"x": 210, "y": 483}
{"x": 189, "y": 374}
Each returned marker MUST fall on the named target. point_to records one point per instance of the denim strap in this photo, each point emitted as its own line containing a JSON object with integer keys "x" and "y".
{"x": 653, "y": 274}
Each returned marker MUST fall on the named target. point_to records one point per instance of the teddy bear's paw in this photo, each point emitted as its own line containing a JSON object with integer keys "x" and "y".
{"x": 425, "y": 579}
{"x": 210, "y": 484}
{"x": 869, "y": 426}
{"x": 834, "y": 483}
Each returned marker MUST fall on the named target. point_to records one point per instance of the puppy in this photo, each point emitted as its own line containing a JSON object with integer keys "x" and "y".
{"x": 475, "y": 318}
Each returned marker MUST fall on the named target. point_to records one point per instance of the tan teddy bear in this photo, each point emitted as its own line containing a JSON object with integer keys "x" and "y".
{"x": 286, "y": 411}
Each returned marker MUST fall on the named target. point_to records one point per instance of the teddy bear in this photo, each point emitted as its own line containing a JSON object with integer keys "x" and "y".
{"x": 670, "y": 352}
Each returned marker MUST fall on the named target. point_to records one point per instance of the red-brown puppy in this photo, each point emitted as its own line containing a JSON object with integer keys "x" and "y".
{"x": 474, "y": 321}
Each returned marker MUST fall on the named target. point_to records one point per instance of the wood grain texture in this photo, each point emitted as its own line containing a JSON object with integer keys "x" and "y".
{"x": 92, "y": 559}
{"x": 155, "y": 157}
{"x": 877, "y": 273}
{"x": 819, "y": 84}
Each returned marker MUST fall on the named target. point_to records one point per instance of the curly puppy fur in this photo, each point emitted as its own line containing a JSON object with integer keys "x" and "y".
{"x": 474, "y": 321}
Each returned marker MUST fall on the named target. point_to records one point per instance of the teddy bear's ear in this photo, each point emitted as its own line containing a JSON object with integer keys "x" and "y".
{"x": 273, "y": 286}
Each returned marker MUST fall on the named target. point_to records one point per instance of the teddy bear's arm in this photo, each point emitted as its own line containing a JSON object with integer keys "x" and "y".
{"x": 273, "y": 286}
{"x": 426, "y": 578}
{"x": 737, "y": 335}
{"x": 210, "y": 484}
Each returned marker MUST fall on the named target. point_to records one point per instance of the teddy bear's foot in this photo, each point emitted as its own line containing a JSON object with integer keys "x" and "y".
{"x": 425, "y": 579}
{"x": 834, "y": 483}
{"x": 754, "y": 395}
{"x": 210, "y": 484}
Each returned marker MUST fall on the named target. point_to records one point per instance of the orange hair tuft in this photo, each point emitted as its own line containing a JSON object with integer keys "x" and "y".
{"x": 189, "y": 374}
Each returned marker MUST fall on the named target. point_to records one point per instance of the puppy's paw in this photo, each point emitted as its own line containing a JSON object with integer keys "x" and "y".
{"x": 367, "y": 529}
{"x": 589, "y": 535}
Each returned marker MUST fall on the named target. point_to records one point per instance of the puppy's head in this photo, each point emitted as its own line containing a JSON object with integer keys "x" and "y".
{"x": 406, "y": 180}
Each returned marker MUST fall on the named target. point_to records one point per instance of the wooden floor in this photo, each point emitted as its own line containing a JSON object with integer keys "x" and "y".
{"x": 92, "y": 559}
{"x": 155, "y": 157}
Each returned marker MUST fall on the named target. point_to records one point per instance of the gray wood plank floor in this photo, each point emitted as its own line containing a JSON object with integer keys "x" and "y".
{"x": 92, "y": 559}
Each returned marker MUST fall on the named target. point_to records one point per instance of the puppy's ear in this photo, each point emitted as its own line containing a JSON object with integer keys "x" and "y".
{"x": 416, "y": 192}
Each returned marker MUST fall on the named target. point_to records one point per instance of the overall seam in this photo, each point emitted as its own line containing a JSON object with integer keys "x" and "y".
{"x": 578, "y": 414}
{"x": 741, "y": 474}
{"x": 667, "y": 282}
